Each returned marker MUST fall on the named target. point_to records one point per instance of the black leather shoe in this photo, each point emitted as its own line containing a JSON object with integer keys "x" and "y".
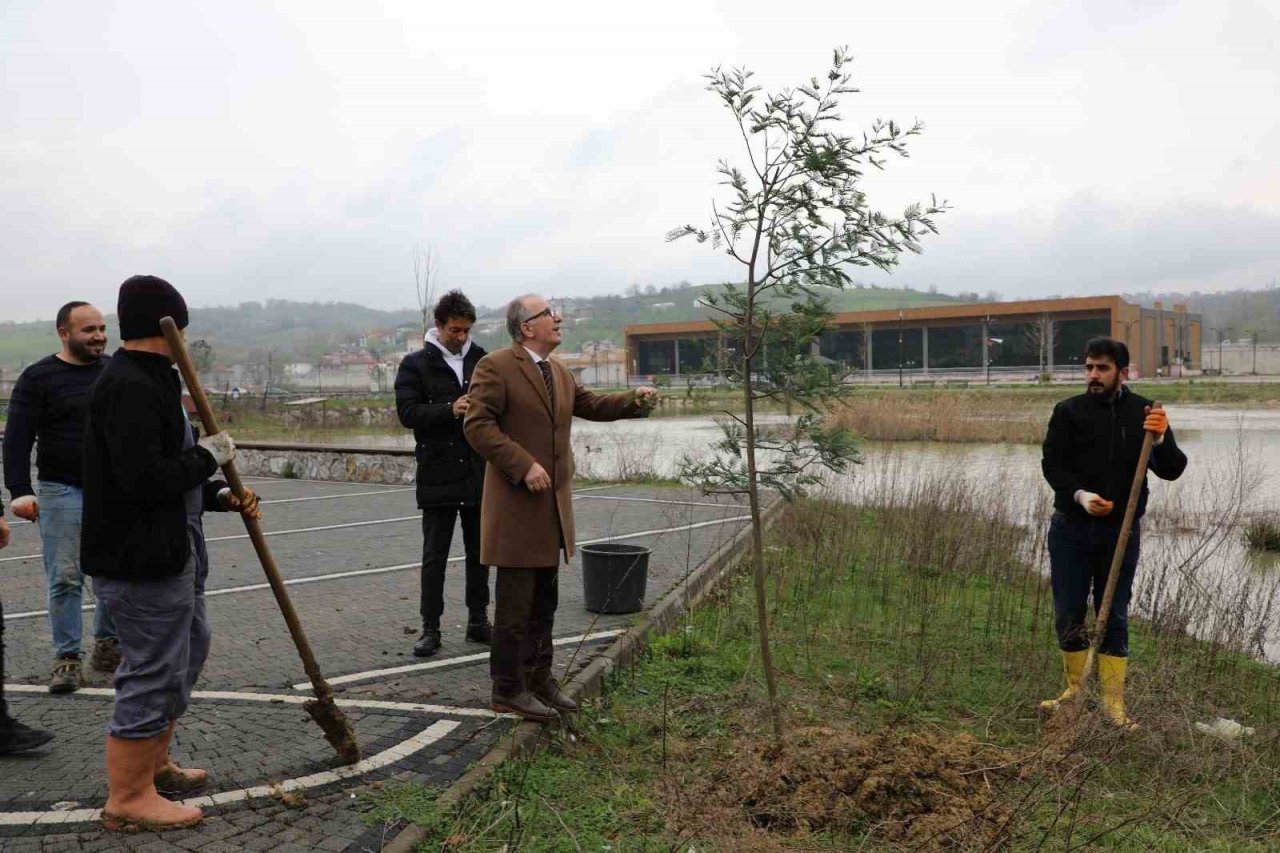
{"x": 525, "y": 704}
{"x": 15, "y": 737}
{"x": 428, "y": 644}
{"x": 550, "y": 693}
{"x": 480, "y": 631}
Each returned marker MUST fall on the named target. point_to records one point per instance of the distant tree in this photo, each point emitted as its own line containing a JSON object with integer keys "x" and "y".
{"x": 426, "y": 266}
{"x": 202, "y": 355}
{"x": 797, "y": 221}
{"x": 1040, "y": 336}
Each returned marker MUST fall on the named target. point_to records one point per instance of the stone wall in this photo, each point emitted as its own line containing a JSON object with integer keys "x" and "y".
{"x": 325, "y": 462}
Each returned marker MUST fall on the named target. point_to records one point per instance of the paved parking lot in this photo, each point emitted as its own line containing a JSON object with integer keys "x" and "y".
{"x": 350, "y": 554}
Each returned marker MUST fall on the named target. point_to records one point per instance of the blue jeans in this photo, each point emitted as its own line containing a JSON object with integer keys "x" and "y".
{"x": 60, "y": 507}
{"x": 1080, "y": 553}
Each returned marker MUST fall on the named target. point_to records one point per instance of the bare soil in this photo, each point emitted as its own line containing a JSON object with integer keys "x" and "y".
{"x": 910, "y": 789}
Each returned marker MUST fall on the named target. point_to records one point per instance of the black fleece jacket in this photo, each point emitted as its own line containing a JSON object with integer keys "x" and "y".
{"x": 136, "y": 474}
{"x": 1094, "y": 442}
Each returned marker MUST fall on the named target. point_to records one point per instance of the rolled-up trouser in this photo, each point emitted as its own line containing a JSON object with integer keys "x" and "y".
{"x": 1080, "y": 552}
{"x": 164, "y": 641}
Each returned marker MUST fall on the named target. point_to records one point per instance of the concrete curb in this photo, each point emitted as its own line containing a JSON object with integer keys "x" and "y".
{"x": 527, "y": 736}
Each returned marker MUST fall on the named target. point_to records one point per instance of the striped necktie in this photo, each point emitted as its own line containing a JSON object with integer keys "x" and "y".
{"x": 546, "y": 378}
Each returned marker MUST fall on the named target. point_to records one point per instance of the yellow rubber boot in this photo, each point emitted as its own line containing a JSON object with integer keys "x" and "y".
{"x": 1111, "y": 674}
{"x": 1073, "y": 668}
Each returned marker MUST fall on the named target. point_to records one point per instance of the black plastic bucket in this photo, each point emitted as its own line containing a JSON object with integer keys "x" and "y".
{"x": 614, "y": 577}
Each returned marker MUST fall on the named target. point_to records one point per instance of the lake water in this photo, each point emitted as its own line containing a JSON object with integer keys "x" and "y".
{"x": 1195, "y": 571}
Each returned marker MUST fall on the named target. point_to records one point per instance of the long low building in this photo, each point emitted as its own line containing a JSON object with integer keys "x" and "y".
{"x": 1035, "y": 335}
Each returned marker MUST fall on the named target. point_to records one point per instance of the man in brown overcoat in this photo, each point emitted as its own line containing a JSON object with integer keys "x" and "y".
{"x": 522, "y": 408}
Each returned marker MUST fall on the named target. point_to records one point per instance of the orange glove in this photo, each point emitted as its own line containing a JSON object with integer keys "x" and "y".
{"x": 1156, "y": 422}
{"x": 231, "y": 503}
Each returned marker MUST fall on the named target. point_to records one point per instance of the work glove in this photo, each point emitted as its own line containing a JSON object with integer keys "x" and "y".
{"x": 1156, "y": 422}
{"x": 228, "y": 502}
{"x": 646, "y": 399}
{"x": 220, "y": 447}
{"x": 26, "y": 507}
{"x": 1094, "y": 504}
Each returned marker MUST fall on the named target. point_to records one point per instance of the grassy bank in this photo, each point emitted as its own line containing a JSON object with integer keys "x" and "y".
{"x": 913, "y": 643}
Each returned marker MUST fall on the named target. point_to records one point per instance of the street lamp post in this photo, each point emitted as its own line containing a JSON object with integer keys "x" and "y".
{"x": 1219, "y": 331}
{"x": 899, "y": 347}
{"x": 1129, "y": 324}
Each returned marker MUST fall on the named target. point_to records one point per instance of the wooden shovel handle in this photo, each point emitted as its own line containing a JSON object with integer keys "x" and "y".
{"x": 178, "y": 349}
{"x": 1122, "y": 543}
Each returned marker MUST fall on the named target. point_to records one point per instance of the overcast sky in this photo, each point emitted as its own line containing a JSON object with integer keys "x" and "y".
{"x": 301, "y": 150}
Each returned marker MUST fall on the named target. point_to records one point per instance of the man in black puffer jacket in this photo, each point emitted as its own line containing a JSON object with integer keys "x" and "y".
{"x": 431, "y": 399}
{"x": 1090, "y": 454}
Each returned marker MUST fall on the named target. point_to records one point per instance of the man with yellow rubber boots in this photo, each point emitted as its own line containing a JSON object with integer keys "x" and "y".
{"x": 1090, "y": 453}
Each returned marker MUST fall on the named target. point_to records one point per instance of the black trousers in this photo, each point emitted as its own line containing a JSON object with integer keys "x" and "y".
{"x": 437, "y": 536}
{"x": 523, "y": 619}
{"x": 1080, "y": 552}
{"x": 4, "y": 710}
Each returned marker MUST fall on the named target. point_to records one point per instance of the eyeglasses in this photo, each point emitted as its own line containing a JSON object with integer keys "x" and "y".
{"x": 548, "y": 311}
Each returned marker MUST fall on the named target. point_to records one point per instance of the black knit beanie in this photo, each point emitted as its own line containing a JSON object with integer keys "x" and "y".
{"x": 143, "y": 300}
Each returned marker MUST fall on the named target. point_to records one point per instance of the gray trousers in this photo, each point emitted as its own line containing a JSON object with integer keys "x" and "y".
{"x": 164, "y": 641}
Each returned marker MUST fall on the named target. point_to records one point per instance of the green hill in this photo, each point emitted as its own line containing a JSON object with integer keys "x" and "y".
{"x": 303, "y": 331}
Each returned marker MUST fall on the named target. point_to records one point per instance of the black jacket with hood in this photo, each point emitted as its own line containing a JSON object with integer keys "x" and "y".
{"x": 450, "y": 473}
{"x": 1094, "y": 442}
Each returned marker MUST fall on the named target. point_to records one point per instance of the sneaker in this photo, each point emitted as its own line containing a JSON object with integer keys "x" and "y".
{"x": 428, "y": 644}
{"x": 480, "y": 631}
{"x": 66, "y": 676}
{"x": 15, "y": 737}
{"x": 106, "y": 655}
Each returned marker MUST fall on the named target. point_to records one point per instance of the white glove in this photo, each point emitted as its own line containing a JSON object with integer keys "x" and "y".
{"x": 26, "y": 507}
{"x": 220, "y": 446}
{"x": 1094, "y": 504}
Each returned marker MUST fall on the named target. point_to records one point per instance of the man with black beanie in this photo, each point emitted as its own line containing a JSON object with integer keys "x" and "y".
{"x": 146, "y": 484}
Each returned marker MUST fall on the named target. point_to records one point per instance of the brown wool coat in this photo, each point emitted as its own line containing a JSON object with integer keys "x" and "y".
{"x": 510, "y": 423}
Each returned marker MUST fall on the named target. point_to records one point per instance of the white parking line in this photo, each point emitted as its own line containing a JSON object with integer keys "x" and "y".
{"x": 442, "y": 662}
{"x": 258, "y": 478}
{"x": 655, "y": 501}
{"x": 286, "y": 699}
{"x": 336, "y": 497}
{"x": 317, "y": 529}
{"x": 640, "y": 534}
{"x": 434, "y": 732}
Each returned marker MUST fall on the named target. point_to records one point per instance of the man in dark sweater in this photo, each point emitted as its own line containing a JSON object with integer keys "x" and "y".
{"x": 431, "y": 399}
{"x": 146, "y": 484}
{"x": 48, "y": 410}
{"x": 14, "y": 736}
{"x": 1090, "y": 454}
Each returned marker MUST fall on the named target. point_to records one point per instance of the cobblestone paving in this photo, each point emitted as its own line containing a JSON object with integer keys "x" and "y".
{"x": 355, "y": 585}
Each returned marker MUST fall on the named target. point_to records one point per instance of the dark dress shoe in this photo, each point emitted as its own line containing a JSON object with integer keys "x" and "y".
{"x": 550, "y": 693}
{"x": 480, "y": 631}
{"x": 428, "y": 644}
{"x": 525, "y": 704}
